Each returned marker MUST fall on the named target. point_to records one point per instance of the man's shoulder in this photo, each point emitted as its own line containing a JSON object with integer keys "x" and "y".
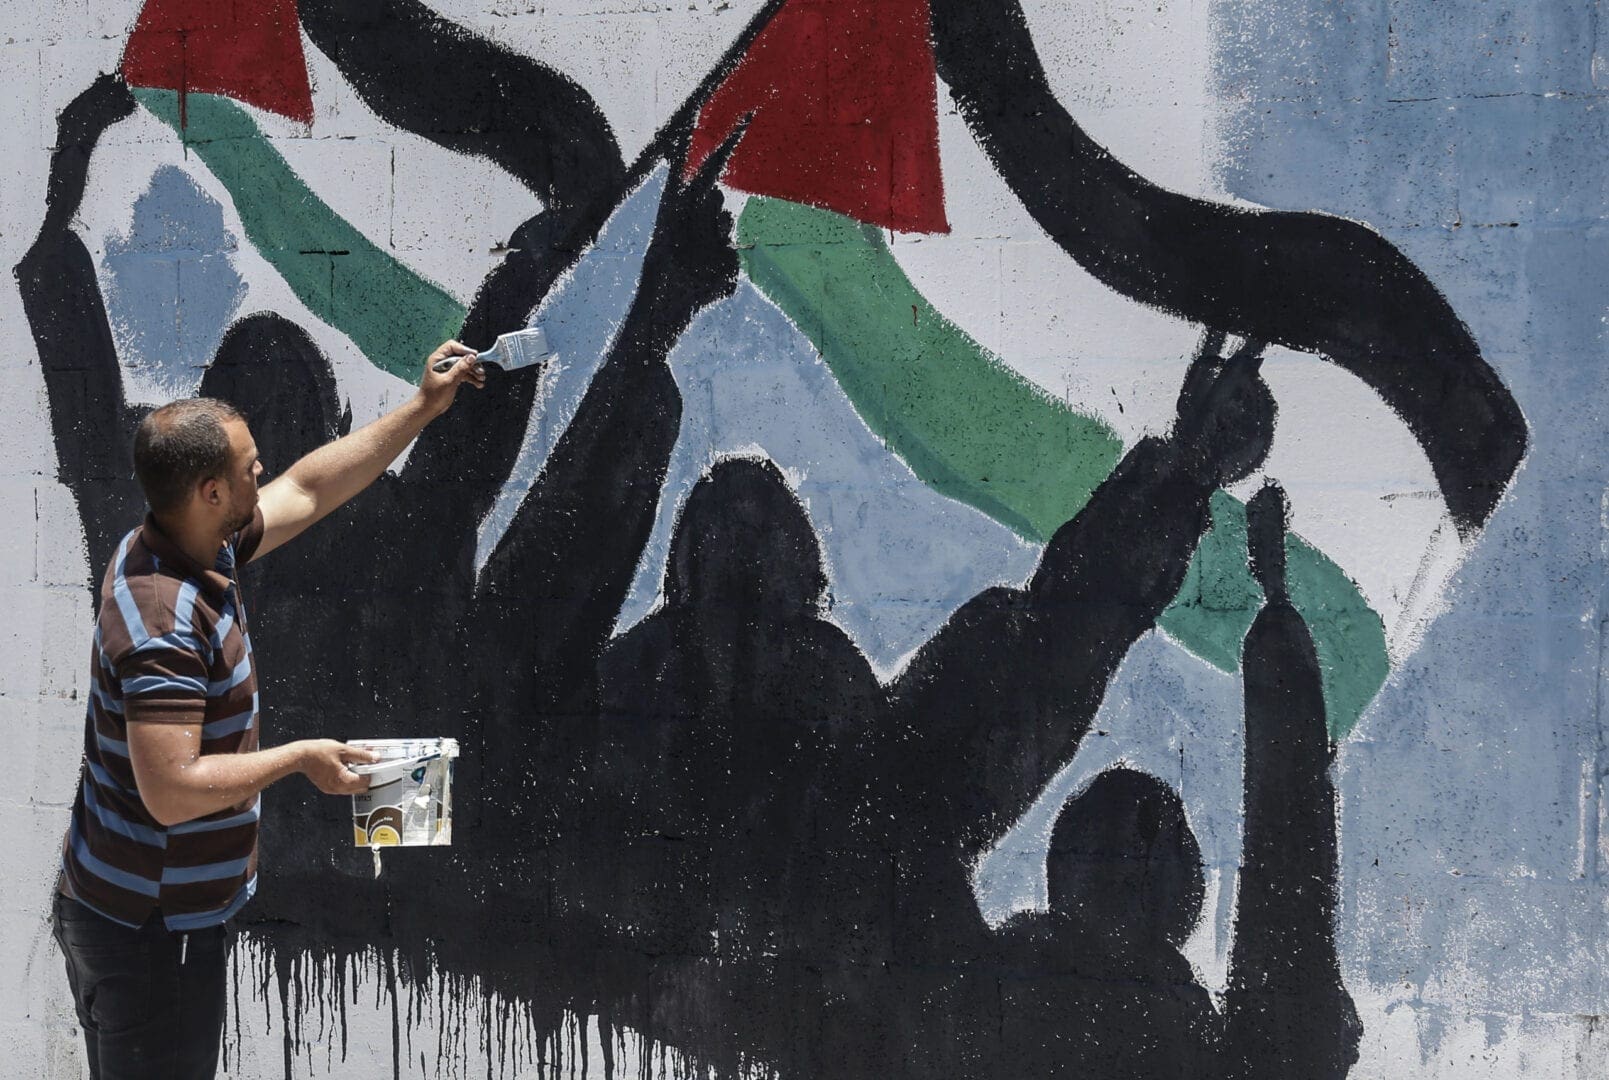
{"x": 143, "y": 601}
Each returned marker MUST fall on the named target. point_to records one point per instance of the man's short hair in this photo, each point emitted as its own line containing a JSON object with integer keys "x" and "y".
{"x": 180, "y": 445}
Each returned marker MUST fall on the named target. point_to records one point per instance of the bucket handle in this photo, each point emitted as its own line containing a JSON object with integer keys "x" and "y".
{"x": 385, "y": 772}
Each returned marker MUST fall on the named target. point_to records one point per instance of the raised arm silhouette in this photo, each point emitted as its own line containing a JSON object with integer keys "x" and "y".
{"x": 92, "y": 424}
{"x": 1097, "y": 985}
{"x": 1001, "y": 698}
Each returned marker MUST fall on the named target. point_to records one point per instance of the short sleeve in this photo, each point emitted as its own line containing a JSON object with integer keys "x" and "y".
{"x": 247, "y": 540}
{"x": 165, "y": 680}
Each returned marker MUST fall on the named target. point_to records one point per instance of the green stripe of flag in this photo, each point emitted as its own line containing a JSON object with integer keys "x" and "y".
{"x": 980, "y": 433}
{"x": 1219, "y": 599}
{"x": 968, "y": 425}
{"x": 392, "y": 314}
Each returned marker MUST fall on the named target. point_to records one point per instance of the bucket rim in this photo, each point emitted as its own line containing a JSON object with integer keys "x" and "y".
{"x": 420, "y": 747}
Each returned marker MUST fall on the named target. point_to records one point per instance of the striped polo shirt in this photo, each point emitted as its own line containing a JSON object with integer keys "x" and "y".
{"x": 171, "y": 646}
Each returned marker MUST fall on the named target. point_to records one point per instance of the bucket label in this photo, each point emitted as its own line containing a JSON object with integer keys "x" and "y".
{"x": 409, "y": 801}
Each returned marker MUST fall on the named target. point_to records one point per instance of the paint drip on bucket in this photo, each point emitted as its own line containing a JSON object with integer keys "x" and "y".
{"x": 409, "y": 802}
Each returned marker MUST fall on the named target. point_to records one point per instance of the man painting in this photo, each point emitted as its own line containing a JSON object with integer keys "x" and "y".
{"x": 162, "y": 847}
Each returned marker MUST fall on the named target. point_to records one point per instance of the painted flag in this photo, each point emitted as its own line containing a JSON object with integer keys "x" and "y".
{"x": 843, "y": 144}
{"x": 843, "y": 108}
{"x": 251, "y": 53}
{"x": 193, "y": 64}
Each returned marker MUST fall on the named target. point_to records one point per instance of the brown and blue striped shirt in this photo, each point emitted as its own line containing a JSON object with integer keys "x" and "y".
{"x": 171, "y": 646}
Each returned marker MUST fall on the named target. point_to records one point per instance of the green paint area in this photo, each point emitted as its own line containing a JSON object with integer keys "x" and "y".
{"x": 1219, "y": 599}
{"x": 968, "y": 425}
{"x": 981, "y": 434}
{"x": 391, "y": 313}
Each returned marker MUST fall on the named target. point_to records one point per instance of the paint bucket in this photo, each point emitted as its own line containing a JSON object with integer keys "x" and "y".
{"x": 410, "y": 799}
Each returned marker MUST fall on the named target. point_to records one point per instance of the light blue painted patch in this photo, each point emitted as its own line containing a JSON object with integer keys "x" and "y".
{"x": 1473, "y": 874}
{"x": 171, "y": 284}
{"x": 580, "y": 316}
{"x": 900, "y": 557}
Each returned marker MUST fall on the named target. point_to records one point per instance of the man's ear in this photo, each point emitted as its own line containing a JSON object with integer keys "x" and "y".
{"x": 210, "y": 491}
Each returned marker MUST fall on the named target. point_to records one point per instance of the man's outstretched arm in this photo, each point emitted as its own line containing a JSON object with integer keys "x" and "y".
{"x": 178, "y": 783}
{"x": 332, "y": 474}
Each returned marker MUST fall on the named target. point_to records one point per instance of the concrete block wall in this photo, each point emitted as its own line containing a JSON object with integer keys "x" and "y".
{"x": 1470, "y": 891}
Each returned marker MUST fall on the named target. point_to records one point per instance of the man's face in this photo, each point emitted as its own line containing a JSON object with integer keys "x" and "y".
{"x": 241, "y": 482}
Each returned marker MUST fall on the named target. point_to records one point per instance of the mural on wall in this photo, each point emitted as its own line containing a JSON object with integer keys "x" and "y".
{"x": 715, "y": 792}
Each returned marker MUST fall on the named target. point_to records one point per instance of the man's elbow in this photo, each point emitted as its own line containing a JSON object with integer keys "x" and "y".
{"x": 166, "y": 807}
{"x": 167, "y": 817}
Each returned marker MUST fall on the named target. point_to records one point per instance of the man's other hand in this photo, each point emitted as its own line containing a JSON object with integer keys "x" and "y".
{"x": 326, "y": 761}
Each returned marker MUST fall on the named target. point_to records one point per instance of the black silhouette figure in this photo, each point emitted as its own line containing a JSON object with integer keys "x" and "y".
{"x": 1287, "y": 1012}
{"x": 92, "y": 425}
{"x": 791, "y": 846}
{"x": 720, "y": 712}
{"x": 1109, "y": 993}
{"x": 716, "y": 830}
{"x": 1106, "y": 991}
{"x": 727, "y": 720}
{"x": 1002, "y": 696}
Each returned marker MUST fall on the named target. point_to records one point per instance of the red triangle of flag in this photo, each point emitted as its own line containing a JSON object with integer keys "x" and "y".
{"x": 844, "y": 97}
{"x": 251, "y": 52}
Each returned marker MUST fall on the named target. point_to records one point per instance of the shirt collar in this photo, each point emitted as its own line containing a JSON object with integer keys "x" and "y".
{"x": 214, "y": 580}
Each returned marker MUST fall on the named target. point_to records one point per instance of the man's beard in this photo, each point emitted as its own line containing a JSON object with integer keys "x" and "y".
{"x": 239, "y": 519}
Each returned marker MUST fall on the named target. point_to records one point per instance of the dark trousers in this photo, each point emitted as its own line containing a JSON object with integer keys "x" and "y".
{"x": 151, "y": 1002}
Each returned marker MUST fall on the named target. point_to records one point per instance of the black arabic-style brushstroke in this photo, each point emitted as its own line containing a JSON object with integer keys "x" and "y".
{"x": 424, "y": 74}
{"x": 1308, "y": 281}
{"x": 436, "y": 79}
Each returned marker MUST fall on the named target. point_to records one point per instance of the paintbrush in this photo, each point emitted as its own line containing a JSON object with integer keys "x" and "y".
{"x": 522, "y": 348}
